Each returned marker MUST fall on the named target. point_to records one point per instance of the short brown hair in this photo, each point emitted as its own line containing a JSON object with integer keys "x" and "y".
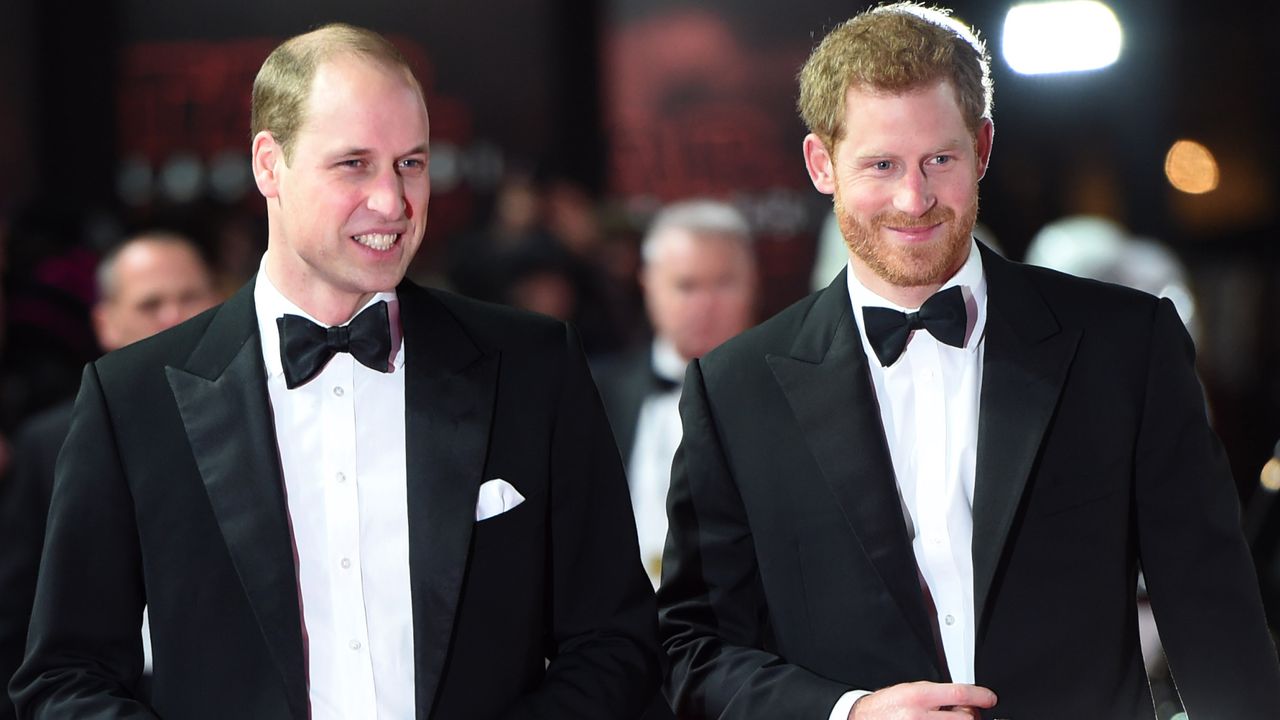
{"x": 283, "y": 84}
{"x": 894, "y": 48}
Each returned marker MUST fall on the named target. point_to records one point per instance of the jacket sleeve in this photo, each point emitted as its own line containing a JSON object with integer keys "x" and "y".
{"x": 1202, "y": 583}
{"x": 24, "y": 504}
{"x": 84, "y": 648}
{"x": 713, "y": 617}
{"x": 604, "y": 659}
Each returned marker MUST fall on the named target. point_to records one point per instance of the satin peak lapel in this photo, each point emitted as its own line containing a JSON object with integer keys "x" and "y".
{"x": 1025, "y": 365}
{"x": 828, "y": 386}
{"x": 449, "y": 397}
{"x": 222, "y": 397}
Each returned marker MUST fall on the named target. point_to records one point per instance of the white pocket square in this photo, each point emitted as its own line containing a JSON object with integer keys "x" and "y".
{"x": 496, "y": 497}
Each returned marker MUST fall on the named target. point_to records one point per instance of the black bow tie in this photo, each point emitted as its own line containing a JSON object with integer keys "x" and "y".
{"x": 662, "y": 383}
{"x": 943, "y": 315}
{"x": 305, "y": 347}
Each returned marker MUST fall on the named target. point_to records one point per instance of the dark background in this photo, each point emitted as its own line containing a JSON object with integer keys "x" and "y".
{"x": 643, "y": 101}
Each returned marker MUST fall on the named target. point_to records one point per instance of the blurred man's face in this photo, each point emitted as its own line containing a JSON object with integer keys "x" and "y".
{"x": 905, "y": 179}
{"x": 157, "y": 285}
{"x": 699, "y": 291}
{"x": 347, "y": 213}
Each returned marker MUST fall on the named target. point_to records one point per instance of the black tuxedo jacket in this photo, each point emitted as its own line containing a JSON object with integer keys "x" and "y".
{"x": 625, "y": 382}
{"x": 24, "y": 504}
{"x": 789, "y": 578}
{"x": 169, "y": 493}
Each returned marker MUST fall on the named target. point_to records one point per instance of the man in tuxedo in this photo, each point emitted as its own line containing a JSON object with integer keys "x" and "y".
{"x": 341, "y": 495}
{"x": 698, "y": 274}
{"x": 147, "y": 283}
{"x": 926, "y": 491}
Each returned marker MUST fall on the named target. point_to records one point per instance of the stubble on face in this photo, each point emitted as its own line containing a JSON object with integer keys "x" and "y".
{"x": 913, "y": 265}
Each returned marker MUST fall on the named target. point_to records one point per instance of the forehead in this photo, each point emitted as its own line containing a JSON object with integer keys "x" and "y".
{"x": 363, "y": 101}
{"x": 686, "y": 250}
{"x": 927, "y": 116}
{"x": 144, "y": 265}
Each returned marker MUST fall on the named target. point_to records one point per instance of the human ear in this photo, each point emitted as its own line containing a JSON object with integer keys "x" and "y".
{"x": 266, "y": 156}
{"x": 103, "y": 328}
{"x": 982, "y": 142}
{"x": 821, "y": 167}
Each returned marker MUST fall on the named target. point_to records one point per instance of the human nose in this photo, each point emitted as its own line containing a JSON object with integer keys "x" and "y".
{"x": 913, "y": 195}
{"x": 386, "y": 194}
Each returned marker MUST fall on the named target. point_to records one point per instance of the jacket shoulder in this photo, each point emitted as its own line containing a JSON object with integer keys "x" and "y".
{"x": 774, "y": 335}
{"x": 168, "y": 347}
{"x": 491, "y": 326}
{"x": 1083, "y": 301}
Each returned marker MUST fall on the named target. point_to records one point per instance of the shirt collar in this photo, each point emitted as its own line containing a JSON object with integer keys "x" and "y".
{"x": 271, "y": 304}
{"x": 667, "y": 363}
{"x": 970, "y": 277}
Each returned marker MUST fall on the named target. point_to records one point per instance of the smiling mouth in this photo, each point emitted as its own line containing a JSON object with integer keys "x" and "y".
{"x": 377, "y": 241}
{"x": 914, "y": 228}
{"x": 915, "y": 231}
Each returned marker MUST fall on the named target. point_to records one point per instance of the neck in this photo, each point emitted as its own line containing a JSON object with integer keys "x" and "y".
{"x": 332, "y": 310}
{"x": 907, "y": 296}
{"x": 322, "y": 302}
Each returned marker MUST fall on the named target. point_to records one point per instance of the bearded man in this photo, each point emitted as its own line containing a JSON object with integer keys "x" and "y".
{"x": 927, "y": 491}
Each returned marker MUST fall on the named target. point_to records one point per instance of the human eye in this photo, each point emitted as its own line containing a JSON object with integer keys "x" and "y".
{"x": 149, "y": 306}
{"x": 350, "y": 163}
{"x": 882, "y": 165}
{"x": 412, "y": 165}
{"x": 941, "y": 159}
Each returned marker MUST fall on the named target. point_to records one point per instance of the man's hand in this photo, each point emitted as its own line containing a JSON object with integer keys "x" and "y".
{"x": 924, "y": 701}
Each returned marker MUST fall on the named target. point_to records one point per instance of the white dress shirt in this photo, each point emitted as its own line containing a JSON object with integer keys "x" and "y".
{"x": 929, "y": 408}
{"x": 658, "y": 433}
{"x": 341, "y": 437}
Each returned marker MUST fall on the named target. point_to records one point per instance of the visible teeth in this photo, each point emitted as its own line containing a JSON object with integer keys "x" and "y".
{"x": 377, "y": 241}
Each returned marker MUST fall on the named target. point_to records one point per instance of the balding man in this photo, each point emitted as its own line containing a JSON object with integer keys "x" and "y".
{"x": 146, "y": 284}
{"x": 699, "y": 281}
{"x": 339, "y": 494}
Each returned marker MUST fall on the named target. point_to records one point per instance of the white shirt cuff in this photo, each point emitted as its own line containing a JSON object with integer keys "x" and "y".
{"x": 845, "y": 704}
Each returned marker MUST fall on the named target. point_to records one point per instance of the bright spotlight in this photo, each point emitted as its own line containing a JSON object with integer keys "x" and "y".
{"x": 1058, "y": 37}
{"x": 1191, "y": 168}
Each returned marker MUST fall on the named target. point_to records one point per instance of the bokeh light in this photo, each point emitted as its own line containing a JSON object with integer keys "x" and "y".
{"x": 1058, "y": 37}
{"x": 1191, "y": 168}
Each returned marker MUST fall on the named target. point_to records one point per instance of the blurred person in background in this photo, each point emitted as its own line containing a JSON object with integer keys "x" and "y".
{"x": 1098, "y": 248}
{"x": 541, "y": 280}
{"x": 50, "y": 290}
{"x": 148, "y": 283}
{"x": 927, "y": 490}
{"x": 543, "y": 249}
{"x": 699, "y": 282}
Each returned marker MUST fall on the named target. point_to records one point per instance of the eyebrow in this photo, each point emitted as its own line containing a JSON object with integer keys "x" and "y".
{"x": 421, "y": 149}
{"x": 944, "y": 147}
